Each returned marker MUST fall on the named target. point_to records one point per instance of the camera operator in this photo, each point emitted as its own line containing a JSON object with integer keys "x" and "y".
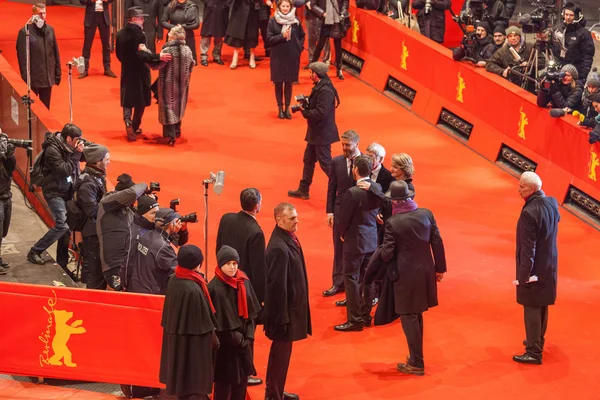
{"x": 43, "y": 55}
{"x": 7, "y": 166}
{"x": 576, "y": 43}
{"x": 504, "y": 59}
{"x": 563, "y": 92}
{"x": 499, "y": 37}
{"x": 480, "y": 51}
{"x": 591, "y": 94}
{"x": 432, "y": 18}
{"x": 89, "y": 190}
{"x": 60, "y": 168}
{"x": 322, "y": 130}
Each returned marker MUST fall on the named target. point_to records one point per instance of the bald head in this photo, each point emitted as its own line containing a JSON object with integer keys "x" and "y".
{"x": 529, "y": 184}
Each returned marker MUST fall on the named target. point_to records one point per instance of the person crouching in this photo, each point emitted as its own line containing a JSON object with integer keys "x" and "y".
{"x": 236, "y": 308}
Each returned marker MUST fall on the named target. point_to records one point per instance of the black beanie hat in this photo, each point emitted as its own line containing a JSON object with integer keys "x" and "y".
{"x": 125, "y": 182}
{"x": 500, "y": 29}
{"x": 226, "y": 254}
{"x": 485, "y": 26}
{"x": 145, "y": 204}
{"x": 189, "y": 256}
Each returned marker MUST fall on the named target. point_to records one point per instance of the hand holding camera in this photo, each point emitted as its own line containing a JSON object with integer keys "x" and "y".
{"x": 302, "y": 101}
{"x": 80, "y": 145}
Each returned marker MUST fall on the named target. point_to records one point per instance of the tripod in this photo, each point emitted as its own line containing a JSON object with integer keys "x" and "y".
{"x": 28, "y": 101}
{"x": 532, "y": 70}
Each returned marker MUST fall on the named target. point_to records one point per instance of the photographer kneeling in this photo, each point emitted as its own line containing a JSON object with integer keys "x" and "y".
{"x": 476, "y": 48}
{"x": 561, "y": 90}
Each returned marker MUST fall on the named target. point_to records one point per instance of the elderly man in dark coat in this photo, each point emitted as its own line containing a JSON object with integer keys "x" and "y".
{"x": 287, "y": 311}
{"x": 412, "y": 237}
{"x": 537, "y": 263}
{"x": 214, "y": 26}
{"x": 152, "y": 26}
{"x": 432, "y": 22}
{"x": 135, "y": 74}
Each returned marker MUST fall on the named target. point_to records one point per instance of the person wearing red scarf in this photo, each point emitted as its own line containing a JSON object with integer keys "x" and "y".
{"x": 236, "y": 309}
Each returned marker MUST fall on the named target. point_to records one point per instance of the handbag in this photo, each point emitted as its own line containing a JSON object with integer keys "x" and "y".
{"x": 409, "y": 20}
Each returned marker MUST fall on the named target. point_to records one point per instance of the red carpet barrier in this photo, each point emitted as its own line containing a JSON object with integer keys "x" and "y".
{"x": 493, "y": 117}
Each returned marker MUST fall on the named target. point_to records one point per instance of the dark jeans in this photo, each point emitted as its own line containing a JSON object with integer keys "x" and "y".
{"x": 91, "y": 252}
{"x": 412, "y": 324}
{"x": 5, "y": 214}
{"x": 536, "y": 322}
{"x": 88, "y": 40}
{"x": 312, "y": 153}
{"x": 277, "y": 369}
{"x": 337, "y": 44}
{"x": 44, "y": 95}
{"x": 283, "y": 90}
{"x": 58, "y": 233}
{"x": 359, "y": 297}
{"x": 137, "y": 112}
{"x": 226, "y": 391}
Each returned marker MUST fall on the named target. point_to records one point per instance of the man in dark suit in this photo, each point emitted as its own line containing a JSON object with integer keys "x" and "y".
{"x": 537, "y": 263}
{"x": 287, "y": 311}
{"x": 340, "y": 180}
{"x": 380, "y": 173}
{"x": 152, "y": 27}
{"x": 96, "y": 17}
{"x": 322, "y": 130}
{"x": 412, "y": 236}
{"x": 241, "y": 231}
{"x": 357, "y": 226}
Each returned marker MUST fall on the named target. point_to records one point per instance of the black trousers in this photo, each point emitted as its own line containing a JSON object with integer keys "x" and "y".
{"x": 337, "y": 44}
{"x": 226, "y": 391}
{"x": 312, "y": 153}
{"x": 277, "y": 369}
{"x": 359, "y": 297}
{"x": 137, "y": 112}
{"x": 44, "y": 95}
{"x": 88, "y": 40}
{"x": 536, "y": 322}
{"x": 194, "y": 397}
{"x": 412, "y": 324}
{"x": 283, "y": 91}
{"x": 338, "y": 257}
{"x": 91, "y": 252}
{"x": 5, "y": 215}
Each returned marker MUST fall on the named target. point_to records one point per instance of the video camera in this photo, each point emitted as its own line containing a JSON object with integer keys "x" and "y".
{"x": 540, "y": 19}
{"x": 552, "y": 76}
{"x": 475, "y": 11}
{"x": 302, "y": 101}
{"x": 192, "y": 218}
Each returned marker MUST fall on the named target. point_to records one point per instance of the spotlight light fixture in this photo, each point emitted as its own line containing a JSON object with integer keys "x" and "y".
{"x": 399, "y": 90}
{"x": 516, "y": 161}
{"x": 455, "y": 124}
{"x": 584, "y": 202}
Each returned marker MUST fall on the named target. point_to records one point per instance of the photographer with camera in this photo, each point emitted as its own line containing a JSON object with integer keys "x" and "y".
{"x": 432, "y": 18}
{"x": 576, "y": 43}
{"x": 561, "y": 90}
{"x": 513, "y": 55}
{"x": 319, "y": 112}
{"x": 477, "y": 47}
{"x": 60, "y": 168}
{"x": 8, "y": 164}
{"x": 43, "y": 55}
{"x": 591, "y": 94}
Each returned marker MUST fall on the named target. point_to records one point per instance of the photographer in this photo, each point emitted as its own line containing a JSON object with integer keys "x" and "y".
{"x": 564, "y": 93}
{"x": 8, "y": 163}
{"x": 591, "y": 94}
{"x": 504, "y": 58}
{"x": 60, "y": 167}
{"x": 478, "y": 52}
{"x": 322, "y": 130}
{"x": 432, "y": 18}
{"x": 43, "y": 52}
{"x": 499, "y": 37}
{"x": 576, "y": 43}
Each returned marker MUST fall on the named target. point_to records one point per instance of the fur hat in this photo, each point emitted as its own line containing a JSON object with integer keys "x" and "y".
{"x": 319, "y": 68}
{"x": 571, "y": 70}
{"x": 190, "y": 256}
{"x": 226, "y": 254}
{"x": 124, "y": 182}
{"x": 94, "y": 153}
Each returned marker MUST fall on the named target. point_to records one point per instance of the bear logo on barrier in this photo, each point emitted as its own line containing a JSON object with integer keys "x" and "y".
{"x": 403, "y": 63}
{"x": 64, "y": 330}
{"x": 593, "y": 164}
{"x": 523, "y": 122}
{"x": 459, "y": 89}
{"x": 355, "y": 29}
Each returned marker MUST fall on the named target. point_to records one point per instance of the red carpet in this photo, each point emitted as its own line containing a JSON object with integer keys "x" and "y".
{"x": 470, "y": 338}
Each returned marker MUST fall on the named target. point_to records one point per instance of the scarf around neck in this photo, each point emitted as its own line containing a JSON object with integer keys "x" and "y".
{"x": 236, "y": 282}
{"x": 192, "y": 275}
{"x": 286, "y": 20}
{"x": 404, "y": 206}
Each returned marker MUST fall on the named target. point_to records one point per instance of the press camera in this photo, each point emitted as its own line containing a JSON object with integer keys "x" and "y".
{"x": 302, "y": 101}
{"x": 541, "y": 18}
{"x": 191, "y": 217}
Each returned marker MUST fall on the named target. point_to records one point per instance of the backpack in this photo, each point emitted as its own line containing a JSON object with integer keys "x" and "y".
{"x": 76, "y": 219}
{"x": 36, "y": 173}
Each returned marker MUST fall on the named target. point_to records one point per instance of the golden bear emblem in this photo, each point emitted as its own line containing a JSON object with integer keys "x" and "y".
{"x": 64, "y": 330}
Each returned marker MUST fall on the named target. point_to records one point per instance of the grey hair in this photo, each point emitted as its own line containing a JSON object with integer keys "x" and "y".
{"x": 377, "y": 149}
{"x": 532, "y": 179}
{"x": 281, "y": 208}
{"x": 177, "y": 33}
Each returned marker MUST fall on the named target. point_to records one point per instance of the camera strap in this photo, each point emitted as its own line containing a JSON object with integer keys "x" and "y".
{"x": 337, "y": 97}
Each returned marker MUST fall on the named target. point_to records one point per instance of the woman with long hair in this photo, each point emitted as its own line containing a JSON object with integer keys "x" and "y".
{"x": 286, "y": 38}
{"x": 184, "y": 13}
{"x": 242, "y": 29}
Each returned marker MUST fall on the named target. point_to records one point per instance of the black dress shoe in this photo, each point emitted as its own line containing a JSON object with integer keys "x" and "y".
{"x": 375, "y": 301}
{"x": 281, "y": 114}
{"x": 349, "y": 327}
{"x": 219, "y": 61}
{"x": 340, "y": 75}
{"x": 253, "y": 381}
{"x": 298, "y": 194}
{"x": 287, "y": 112}
{"x": 291, "y": 396}
{"x": 110, "y": 73}
{"x": 340, "y": 303}
{"x": 3, "y": 271}
{"x": 527, "y": 359}
{"x": 35, "y": 258}
{"x": 332, "y": 291}
{"x": 3, "y": 264}
{"x": 409, "y": 369}
{"x": 204, "y": 63}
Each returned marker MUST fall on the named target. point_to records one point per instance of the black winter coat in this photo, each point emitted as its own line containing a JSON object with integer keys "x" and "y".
{"x": 184, "y": 14}
{"x": 90, "y": 189}
{"x": 285, "y": 54}
{"x": 318, "y": 7}
{"x": 215, "y": 18}
{"x": 320, "y": 114}
{"x": 7, "y": 167}
{"x": 287, "y": 310}
{"x": 503, "y": 59}
{"x": 90, "y": 12}
{"x": 561, "y": 96}
{"x": 579, "y": 46}
{"x": 60, "y": 167}
{"x": 537, "y": 253}
{"x": 412, "y": 238}
{"x": 433, "y": 25}
{"x": 152, "y": 261}
{"x": 45, "y": 59}
{"x": 588, "y": 110}
{"x": 239, "y": 19}
{"x": 152, "y": 26}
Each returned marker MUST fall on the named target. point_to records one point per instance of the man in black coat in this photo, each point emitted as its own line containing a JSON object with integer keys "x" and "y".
{"x": 152, "y": 26}
{"x": 412, "y": 237}
{"x": 97, "y": 17}
{"x": 135, "y": 74}
{"x": 241, "y": 231}
{"x": 537, "y": 263}
{"x": 287, "y": 311}
{"x": 8, "y": 164}
{"x": 340, "y": 180}
{"x": 322, "y": 130}
{"x": 357, "y": 226}
{"x": 44, "y": 57}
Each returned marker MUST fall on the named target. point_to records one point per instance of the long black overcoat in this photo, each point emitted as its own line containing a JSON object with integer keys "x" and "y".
{"x": 285, "y": 54}
{"x": 215, "y": 18}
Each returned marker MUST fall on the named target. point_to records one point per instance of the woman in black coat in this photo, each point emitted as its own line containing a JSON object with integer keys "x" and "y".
{"x": 286, "y": 38}
{"x": 242, "y": 29}
{"x": 184, "y": 13}
{"x": 335, "y": 25}
{"x": 432, "y": 23}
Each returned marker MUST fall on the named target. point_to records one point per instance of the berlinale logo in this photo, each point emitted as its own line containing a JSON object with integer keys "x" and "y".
{"x": 523, "y": 122}
{"x": 593, "y": 164}
{"x": 459, "y": 89}
{"x": 355, "y": 29}
{"x": 404, "y": 57}
{"x": 62, "y": 333}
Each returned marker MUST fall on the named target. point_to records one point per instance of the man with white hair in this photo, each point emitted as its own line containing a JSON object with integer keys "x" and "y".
{"x": 537, "y": 263}
{"x": 380, "y": 174}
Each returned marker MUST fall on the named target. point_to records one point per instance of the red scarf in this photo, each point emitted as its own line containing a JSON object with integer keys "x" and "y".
{"x": 192, "y": 275}
{"x": 236, "y": 282}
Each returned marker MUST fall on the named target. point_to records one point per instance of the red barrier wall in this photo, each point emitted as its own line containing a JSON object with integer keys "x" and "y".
{"x": 500, "y": 112}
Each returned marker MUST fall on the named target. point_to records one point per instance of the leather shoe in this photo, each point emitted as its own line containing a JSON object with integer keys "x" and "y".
{"x": 35, "y": 258}
{"x": 340, "y": 303}
{"x": 409, "y": 369}
{"x": 375, "y": 301}
{"x": 110, "y": 74}
{"x": 332, "y": 291}
{"x": 253, "y": 381}
{"x": 298, "y": 194}
{"x": 219, "y": 61}
{"x": 3, "y": 264}
{"x": 291, "y": 396}
{"x": 527, "y": 359}
{"x": 204, "y": 63}
{"x": 3, "y": 271}
{"x": 349, "y": 327}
